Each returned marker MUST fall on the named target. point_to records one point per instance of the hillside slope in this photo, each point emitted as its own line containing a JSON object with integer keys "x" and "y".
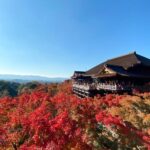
{"x": 52, "y": 117}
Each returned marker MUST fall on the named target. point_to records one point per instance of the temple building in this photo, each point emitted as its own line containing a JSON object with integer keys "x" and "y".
{"x": 117, "y": 75}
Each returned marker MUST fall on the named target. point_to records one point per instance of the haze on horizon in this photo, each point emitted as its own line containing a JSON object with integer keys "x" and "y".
{"x": 55, "y": 37}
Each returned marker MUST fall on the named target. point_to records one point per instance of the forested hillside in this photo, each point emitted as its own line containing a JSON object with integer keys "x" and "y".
{"x": 51, "y": 117}
{"x": 8, "y": 88}
{"x": 12, "y": 89}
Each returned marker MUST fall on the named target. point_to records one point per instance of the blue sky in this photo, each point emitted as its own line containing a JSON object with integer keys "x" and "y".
{"x": 55, "y": 37}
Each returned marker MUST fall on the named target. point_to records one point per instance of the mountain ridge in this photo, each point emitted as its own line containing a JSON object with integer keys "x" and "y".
{"x": 29, "y": 78}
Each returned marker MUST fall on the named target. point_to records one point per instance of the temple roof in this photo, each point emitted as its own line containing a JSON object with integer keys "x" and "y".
{"x": 118, "y": 70}
{"x": 121, "y": 64}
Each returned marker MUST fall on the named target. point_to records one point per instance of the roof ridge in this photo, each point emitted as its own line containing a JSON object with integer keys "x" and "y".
{"x": 140, "y": 58}
{"x": 139, "y": 61}
{"x": 134, "y": 52}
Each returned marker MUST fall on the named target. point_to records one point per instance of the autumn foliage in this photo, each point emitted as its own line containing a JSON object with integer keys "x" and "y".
{"x": 53, "y": 118}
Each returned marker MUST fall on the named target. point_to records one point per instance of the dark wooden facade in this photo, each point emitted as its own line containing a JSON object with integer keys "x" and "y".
{"x": 121, "y": 74}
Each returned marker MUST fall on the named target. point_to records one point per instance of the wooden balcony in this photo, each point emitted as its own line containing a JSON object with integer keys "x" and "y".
{"x": 107, "y": 87}
{"x": 85, "y": 90}
{"x": 85, "y": 87}
{"x": 114, "y": 87}
{"x": 101, "y": 86}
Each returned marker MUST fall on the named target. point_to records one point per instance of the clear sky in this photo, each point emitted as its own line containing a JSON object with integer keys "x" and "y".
{"x": 55, "y": 37}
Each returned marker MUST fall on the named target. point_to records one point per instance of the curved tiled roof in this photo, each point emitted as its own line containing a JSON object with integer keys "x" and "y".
{"x": 125, "y": 61}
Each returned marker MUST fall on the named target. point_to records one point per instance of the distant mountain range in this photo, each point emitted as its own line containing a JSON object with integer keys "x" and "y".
{"x": 29, "y": 78}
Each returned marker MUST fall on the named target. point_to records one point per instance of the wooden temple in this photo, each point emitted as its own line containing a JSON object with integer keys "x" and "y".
{"x": 121, "y": 74}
